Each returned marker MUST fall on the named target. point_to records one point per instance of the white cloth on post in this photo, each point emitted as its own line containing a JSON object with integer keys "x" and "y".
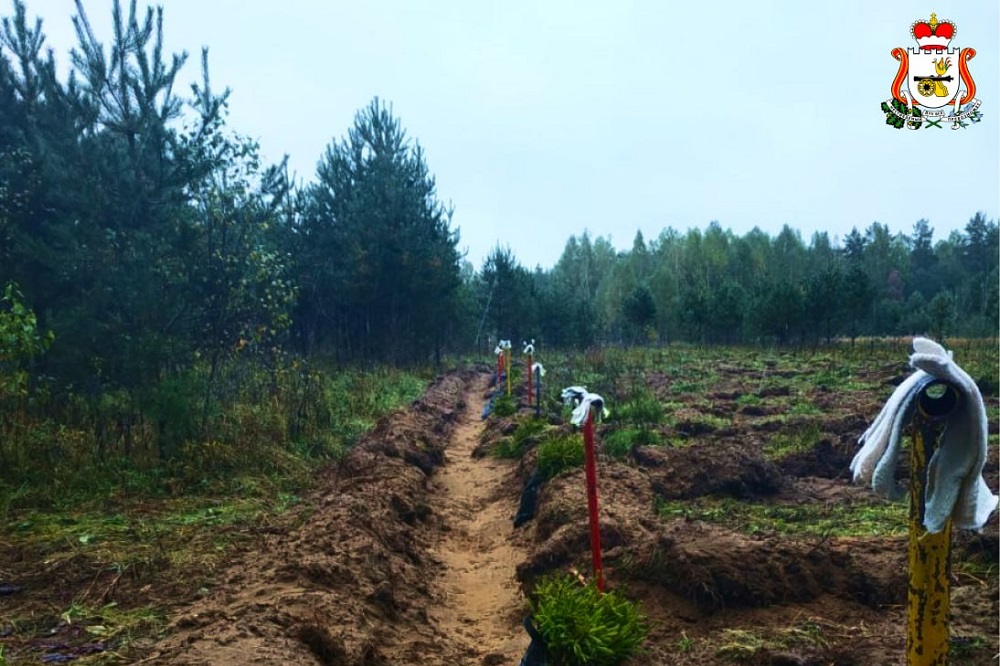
{"x": 955, "y": 487}
{"x": 586, "y": 402}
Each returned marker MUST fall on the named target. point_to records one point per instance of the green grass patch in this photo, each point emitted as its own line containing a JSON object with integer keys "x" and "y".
{"x": 791, "y": 441}
{"x": 685, "y": 643}
{"x": 169, "y": 531}
{"x": 710, "y": 421}
{"x": 641, "y": 409}
{"x": 619, "y": 443}
{"x": 583, "y": 626}
{"x": 504, "y": 405}
{"x": 972, "y": 649}
{"x": 687, "y": 387}
{"x": 803, "y": 408}
{"x": 862, "y": 386}
{"x": 838, "y": 520}
{"x": 513, "y": 447}
{"x": 559, "y": 453}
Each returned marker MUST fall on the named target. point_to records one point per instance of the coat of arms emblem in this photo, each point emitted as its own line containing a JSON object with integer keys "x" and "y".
{"x": 933, "y": 83}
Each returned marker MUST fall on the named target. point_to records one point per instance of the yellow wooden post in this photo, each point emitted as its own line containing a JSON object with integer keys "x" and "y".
{"x": 928, "y": 590}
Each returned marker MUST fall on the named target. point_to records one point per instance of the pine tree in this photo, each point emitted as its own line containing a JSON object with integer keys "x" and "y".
{"x": 378, "y": 255}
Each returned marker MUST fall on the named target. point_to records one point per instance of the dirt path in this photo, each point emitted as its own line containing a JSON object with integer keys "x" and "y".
{"x": 408, "y": 558}
{"x": 481, "y": 604}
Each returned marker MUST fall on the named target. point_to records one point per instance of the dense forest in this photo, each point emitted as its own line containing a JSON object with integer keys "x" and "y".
{"x": 713, "y": 286}
{"x": 144, "y": 242}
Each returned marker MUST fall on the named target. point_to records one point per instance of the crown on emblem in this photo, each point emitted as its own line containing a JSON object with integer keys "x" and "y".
{"x": 933, "y": 34}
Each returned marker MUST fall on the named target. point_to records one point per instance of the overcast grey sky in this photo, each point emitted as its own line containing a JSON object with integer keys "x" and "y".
{"x": 544, "y": 119}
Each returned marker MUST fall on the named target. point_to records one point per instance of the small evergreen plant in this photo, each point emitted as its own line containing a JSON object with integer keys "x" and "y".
{"x": 504, "y": 405}
{"x": 561, "y": 452}
{"x": 582, "y": 625}
{"x": 515, "y": 445}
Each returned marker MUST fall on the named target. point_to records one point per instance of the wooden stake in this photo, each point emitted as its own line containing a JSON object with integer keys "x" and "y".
{"x": 928, "y": 589}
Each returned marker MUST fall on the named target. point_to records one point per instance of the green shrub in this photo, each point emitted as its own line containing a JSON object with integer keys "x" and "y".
{"x": 196, "y": 431}
{"x": 584, "y": 626}
{"x": 515, "y": 445}
{"x": 20, "y": 340}
{"x": 642, "y": 409}
{"x": 560, "y": 453}
{"x": 618, "y": 443}
{"x": 504, "y": 405}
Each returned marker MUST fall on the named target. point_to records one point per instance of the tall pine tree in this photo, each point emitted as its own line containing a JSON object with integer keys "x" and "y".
{"x": 378, "y": 255}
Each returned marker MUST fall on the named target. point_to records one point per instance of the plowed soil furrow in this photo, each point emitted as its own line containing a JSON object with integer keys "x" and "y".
{"x": 409, "y": 558}
{"x": 481, "y": 605}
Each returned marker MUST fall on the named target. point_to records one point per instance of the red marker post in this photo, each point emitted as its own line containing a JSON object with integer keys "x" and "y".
{"x": 507, "y": 353}
{"x": 590, "y": 463}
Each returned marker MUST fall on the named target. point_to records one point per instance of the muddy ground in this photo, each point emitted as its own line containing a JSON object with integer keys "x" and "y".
{"x": 409, "y": 555}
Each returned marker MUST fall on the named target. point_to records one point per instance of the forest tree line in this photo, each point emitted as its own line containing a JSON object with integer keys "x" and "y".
{"x": 141, "y": 236}
{"x": 713, "y": 286}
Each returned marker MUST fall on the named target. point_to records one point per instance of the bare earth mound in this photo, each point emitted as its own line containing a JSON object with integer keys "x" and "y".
{"x": 720, "y": 594}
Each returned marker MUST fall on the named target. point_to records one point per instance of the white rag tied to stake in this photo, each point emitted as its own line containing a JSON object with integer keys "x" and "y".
{"x": 955, "y": 485}
{"x": 583, "y": 400}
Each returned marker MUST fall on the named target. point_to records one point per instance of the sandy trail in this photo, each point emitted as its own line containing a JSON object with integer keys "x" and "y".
{"x": 394, "y": 566}
{"x": 482, "y": 606}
